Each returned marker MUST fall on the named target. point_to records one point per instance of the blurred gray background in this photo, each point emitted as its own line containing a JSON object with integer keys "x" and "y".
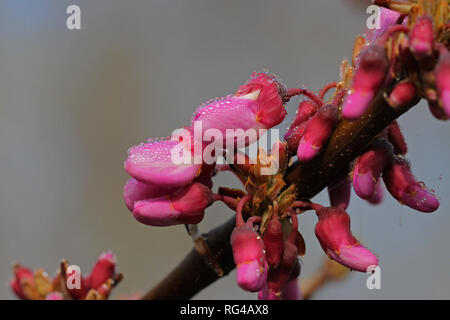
{"x": 73, "y": 102}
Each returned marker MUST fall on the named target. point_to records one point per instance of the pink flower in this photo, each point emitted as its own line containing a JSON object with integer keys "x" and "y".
{"x": 271, "y": 95}
{"x": 317, "y": 132}
{"x": 421, "y": 37}
{"x": 182, "y": 206}
{"x": 258, "y": 105}
{"x": 305, "y": 111}
{"x": 153, "y": 163}
{"x": 104, "y": 269}
{"x": 403, "y": 186}
{"x": 443, "y": 80}
{"x": 336, "y": 239}
{"x": 273, "y": 241}
{"x": 288, "y": 269}
{"x": 248, "y": 253}
{"x": 369, "y": 76}
{"x": 368, "y": 169}
{"x": 22, "y": 276}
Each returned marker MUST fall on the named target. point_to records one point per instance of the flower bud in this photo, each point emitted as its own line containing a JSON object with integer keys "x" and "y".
{"x": 404, "y": 187}
{"x": 397, "y": 139}
{"x": 293, "y": 136}
{"x": 339, "y": 193}
{"x": 154, "y": 163}
{"x": 184, "y": 206}
{"x": 443, "y": 80}
{"x": 248, "y": 253}
{"x": 369, "y": 77}
{"x": 306, "y": 110}
{"x": 403, "y": 94}
{"x": 368, "y": 169}
{"x": 273, "y": 241}
{"x": 270, "y": 99}
{"x": 104, "y": 269}
{"x": 421, "y": 37}
{"x": 258, "y": 104}
{"x": 22, "y": 276}
{"x": 336, "y": 239}
{"x": 317, "y": 132}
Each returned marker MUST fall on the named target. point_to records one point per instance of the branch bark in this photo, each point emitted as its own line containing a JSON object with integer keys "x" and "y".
{"x": 348, "y": 141}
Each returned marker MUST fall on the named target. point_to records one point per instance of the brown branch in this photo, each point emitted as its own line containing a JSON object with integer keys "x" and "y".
{"x": 348, "y": 141}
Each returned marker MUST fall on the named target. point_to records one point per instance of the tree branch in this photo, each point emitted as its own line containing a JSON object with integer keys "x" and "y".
{"x": 348, "y": 141}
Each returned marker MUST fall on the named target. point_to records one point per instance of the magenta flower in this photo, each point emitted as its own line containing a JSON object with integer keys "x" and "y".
{"x": 421, "y": 37}
{"x": 317, "y": 132}
{"x": 403, "y": 186}
{"x": 368, "y": 169}
{"x": 369, "y": 76}
{"x": 336, "y": 239}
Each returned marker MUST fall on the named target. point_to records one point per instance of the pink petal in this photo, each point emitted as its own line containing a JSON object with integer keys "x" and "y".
{"x": 252, "y": 275}
{"x": 355, "y": 257}
{"x": 152, "y": 163}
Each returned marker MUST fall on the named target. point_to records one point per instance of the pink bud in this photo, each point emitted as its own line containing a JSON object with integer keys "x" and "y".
{"x": 339, "y": 193}
{"x": 21, "y": 275}
{"x": 368, "y": 169}
{"x": 184, "y": 206}
{"x": 104, "y": 269}
{"x": 397, "y": 139}
{"x": 248, "y": 253}
{"x": 367, "y": 80}
{"x": 317, "y": 132}
{"x": 336, "y": 239}
{"x": 54, "y": 296}
{"x": 279, "y": 277}
{"x": 272, "y": 95}
{"x": 273, "y": 241}
{"x": 421, "y": 37}
{"x": 403, "y": 94}
{"x": 402, "y": 185}
{"x": 153, "y": 163}
{"x": 293, "y": 136}
{"x": 306, "y": 110}
{"x": 443, "y": 80}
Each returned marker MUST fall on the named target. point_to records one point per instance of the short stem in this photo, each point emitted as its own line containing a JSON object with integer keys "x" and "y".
{"x": 225, "y": 199}
{"x": 241, "y": 204}
{"x": 325, "y": 89}
{"x": 306, "y": 93}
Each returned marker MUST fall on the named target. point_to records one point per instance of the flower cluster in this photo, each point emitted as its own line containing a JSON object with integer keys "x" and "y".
{"x": 407, "y": 59}
{"x": 67, "y": 284}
